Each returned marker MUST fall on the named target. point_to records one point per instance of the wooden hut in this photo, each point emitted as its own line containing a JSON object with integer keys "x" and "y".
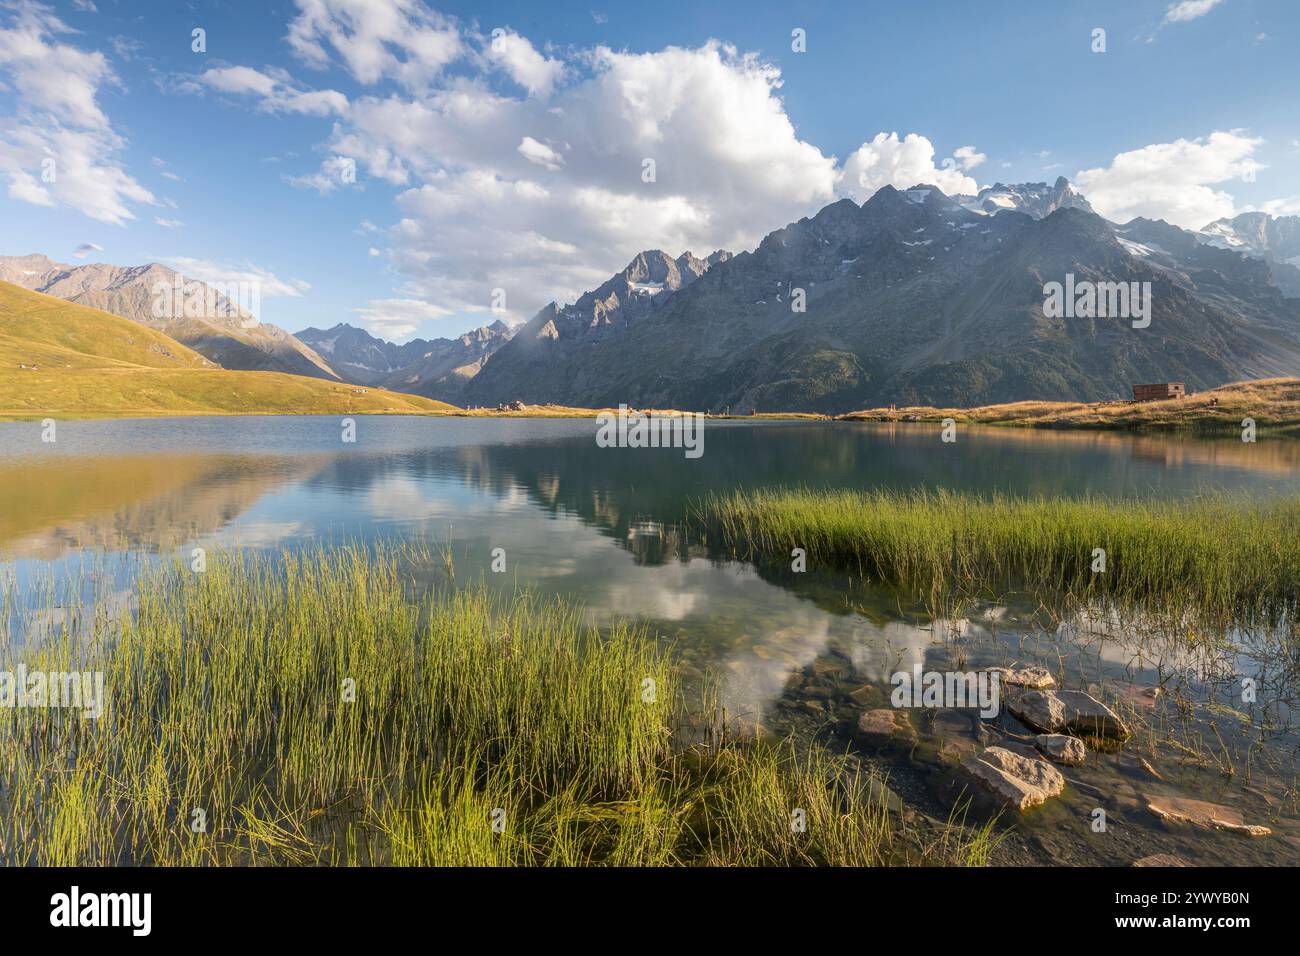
{"x": 1159, "y": 392}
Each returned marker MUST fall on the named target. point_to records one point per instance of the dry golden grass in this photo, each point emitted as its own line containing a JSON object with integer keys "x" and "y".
{"x": 135, "y": 392}
{"x": 1274, "y": 403}
{"x": 90, "y": 364}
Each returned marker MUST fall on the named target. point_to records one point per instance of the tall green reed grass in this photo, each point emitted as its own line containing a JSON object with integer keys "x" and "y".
{"x": 309, "y": 709}
{"x": 1220, "y": 561}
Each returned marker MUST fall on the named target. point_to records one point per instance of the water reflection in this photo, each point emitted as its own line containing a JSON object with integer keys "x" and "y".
{"x": 603, "y": 526}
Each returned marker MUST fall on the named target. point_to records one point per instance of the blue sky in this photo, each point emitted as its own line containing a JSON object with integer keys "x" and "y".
{"x": 509, "y": 165}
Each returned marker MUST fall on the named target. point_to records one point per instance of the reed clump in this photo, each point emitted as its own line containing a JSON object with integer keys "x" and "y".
{"x": 1220, "y": 561}
{"x": 306, "y": 709}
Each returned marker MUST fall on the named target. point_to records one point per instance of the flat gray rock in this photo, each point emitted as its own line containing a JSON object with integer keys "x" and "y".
{"x": 1013, "y": 779}
{"x": 1199, "y": 813}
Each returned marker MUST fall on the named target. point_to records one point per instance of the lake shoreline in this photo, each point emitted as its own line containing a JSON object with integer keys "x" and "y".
{"x": 1272, "y": 405}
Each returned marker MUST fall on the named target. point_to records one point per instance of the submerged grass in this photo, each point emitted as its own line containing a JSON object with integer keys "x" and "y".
{"x": 1221, "y": 562}
{"x": 307, "y": 710}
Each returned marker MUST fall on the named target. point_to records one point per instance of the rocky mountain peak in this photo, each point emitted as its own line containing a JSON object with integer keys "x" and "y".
{"x": 1034, "y": 199}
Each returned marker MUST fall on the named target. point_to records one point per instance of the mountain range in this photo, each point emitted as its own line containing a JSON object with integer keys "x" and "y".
{"x": 434, "y": 368}
{"x": 912, "y": 297}
{"x": 232, "y": 338}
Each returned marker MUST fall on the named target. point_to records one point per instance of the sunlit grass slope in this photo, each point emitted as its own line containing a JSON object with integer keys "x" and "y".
{"x": 88, "y": 363}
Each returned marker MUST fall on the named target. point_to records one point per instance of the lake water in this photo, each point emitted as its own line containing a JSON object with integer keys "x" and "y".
{"x": 604, "y": 526}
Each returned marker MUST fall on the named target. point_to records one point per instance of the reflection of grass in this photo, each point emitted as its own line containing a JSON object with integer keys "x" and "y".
{"x": 1225, "y": 560}
{"x": 228, "y": 694}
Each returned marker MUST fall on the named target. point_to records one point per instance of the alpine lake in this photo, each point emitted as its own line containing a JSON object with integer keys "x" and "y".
{"x": 537, "y": 504}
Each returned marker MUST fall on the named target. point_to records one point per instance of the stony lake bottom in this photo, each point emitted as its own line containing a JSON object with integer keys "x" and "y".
{"x": 789, "y": 655}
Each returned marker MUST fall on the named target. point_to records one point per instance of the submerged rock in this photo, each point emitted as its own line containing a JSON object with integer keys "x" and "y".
{"x": 866, "y": 694}
{"x": 1140, "y": 698}
{"x": 884, "y": 725}
{"x": 1033, "y": 676}
{"x": 1068, "y": 711}
{"x": 1062, "y": 748}
{"x": 956, "y": 735}
{"x": 1198, "y": 813}
{"x": 1013, "y": 779}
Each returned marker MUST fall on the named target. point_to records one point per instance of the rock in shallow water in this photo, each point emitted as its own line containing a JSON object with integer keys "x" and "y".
{"x": 1209, "y": 816}
{"x": 1068, "y": 711}
{"x": 1062, "y": 748}
{"x": 1033, "y": 676}
{"x": 956, "y": 735}
{"x": 886, "y": 726}
{"x": 1018, "y": 781}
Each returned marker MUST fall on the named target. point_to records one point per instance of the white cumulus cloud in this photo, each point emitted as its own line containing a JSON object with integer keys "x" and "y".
{"x": 275, "y": 93}
{"x": 517, "y": 56}
{"x": 59, "y": 147}
{"x": 968, "y": 157}
{"x": 398, "y": 39}
{"x": 268, "y": 283}
{"x": 890, "y": 161}
{"x": 539, "y": 153}
{"x": 334, "y": 172}
{"x": 396, "y": 318}
{"x": 1174, "y": 181}
{"x": 545, "y": 199}
{"x": 1186, "y": 10}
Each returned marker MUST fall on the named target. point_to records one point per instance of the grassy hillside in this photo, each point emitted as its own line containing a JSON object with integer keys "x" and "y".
{"x": 90, "y": 364}
{"x": 1274, "y": 403}
{"x": 41, "y": 330}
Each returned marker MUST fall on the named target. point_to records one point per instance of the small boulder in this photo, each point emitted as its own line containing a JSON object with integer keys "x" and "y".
{"x": 1016, "y": 780}
{"x": 1061, "y": 748}
{"x": 1068, "y": 711}
{"x": 1161, "y": 859}
{"x": 885, "y": 725}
